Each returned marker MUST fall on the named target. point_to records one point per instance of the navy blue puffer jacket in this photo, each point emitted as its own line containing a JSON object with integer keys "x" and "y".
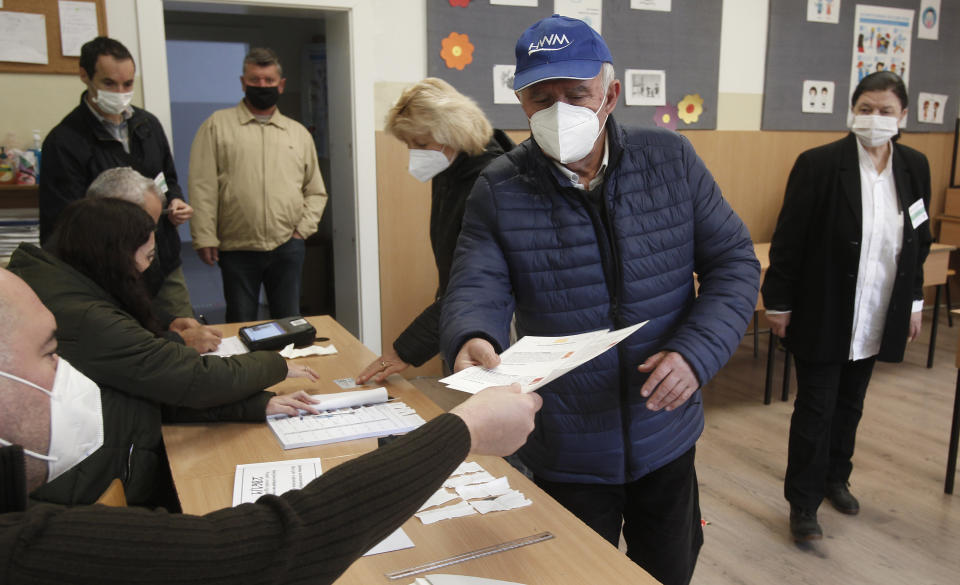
{"x": 534, "y": 246}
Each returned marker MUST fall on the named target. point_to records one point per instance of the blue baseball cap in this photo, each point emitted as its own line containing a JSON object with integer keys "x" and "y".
{"x": 559, "y": 47}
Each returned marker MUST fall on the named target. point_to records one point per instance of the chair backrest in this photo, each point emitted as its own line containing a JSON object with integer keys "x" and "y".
{"x": 113, "y": 495}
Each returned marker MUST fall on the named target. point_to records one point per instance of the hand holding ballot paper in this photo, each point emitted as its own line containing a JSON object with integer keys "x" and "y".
{"x": 531, "y": 361}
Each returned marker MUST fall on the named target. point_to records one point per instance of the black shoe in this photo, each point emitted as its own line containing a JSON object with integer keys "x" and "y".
{"x": 841, "y": 498}
{"x": 803, "y": 524}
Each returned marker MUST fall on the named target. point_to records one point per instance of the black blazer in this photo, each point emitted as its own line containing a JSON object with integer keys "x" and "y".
{"x": 815, "y": 251}
{"x": 79, "y": 148}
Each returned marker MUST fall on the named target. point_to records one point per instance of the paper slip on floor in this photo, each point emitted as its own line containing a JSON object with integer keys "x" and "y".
{"x": 534, "y": 361}
{"x": 253, "y": 480}
{"x": 479, "y": 492}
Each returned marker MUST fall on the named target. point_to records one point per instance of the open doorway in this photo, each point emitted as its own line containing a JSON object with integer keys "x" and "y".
{"x": 205, "y": 51}
{"x": 351, "y": 181}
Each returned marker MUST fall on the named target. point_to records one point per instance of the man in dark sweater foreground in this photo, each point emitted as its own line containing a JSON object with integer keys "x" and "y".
{"x": 50, "y": 420}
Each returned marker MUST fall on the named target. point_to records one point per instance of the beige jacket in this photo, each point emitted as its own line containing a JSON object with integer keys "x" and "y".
{"x": 251, "y": 185}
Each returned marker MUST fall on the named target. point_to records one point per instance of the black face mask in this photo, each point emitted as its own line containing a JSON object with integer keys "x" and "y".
{"x": 262, "y": 98}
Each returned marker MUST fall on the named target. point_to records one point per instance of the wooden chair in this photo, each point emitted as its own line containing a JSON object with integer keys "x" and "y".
{"x": 113, "y": 495}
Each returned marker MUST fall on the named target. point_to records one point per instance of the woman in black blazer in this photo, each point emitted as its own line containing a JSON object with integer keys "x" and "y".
{"x": 844, "y": 287}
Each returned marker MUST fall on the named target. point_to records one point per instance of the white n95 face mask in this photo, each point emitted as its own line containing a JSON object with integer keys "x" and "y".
{"x": 112, "y": 102}
{"x": 427, "y": 164}
{"x": 874, "y": 130}
{"x": 76, "y": 419}
{"x": 566, "y": 133}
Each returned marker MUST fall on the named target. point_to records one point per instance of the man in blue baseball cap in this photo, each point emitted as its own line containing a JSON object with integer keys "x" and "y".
{"x": 591, "y": 225}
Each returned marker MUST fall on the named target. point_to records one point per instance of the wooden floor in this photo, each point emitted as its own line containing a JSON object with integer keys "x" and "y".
{"x": 908, "y": 530}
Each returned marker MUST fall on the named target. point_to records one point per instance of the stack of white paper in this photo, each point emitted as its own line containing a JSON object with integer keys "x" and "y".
{"x": 17, "y": 226}
{"x": 345, "y": 424}
{"x": 479, "y": 492}
{"x": 535, "y": 361}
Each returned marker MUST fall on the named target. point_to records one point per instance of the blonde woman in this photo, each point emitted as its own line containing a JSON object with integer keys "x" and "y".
{"x": 450, "y": 141}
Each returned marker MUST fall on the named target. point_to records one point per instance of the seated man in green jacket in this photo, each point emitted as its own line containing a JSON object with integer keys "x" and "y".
{"x": 49, "y": 422}
{"x": 144, "y": 377}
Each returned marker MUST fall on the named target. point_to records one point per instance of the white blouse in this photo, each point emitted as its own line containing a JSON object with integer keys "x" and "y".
{"x": 880, "y": 244}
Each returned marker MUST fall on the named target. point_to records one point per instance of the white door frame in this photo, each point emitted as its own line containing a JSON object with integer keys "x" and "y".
{"x": 351, "y": 69}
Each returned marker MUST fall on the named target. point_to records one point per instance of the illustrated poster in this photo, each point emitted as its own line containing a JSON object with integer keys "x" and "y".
{"x": 881, "y": 42}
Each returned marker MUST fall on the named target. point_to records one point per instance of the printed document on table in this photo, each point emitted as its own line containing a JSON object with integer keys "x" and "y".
{"x": 276, "y": 477}
{"x": 534, "y": 361}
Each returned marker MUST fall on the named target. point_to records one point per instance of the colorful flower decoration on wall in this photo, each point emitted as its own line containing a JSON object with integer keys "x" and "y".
{"x": 460, "y": 3}
{"x": 457, "y": 51}
{"x": 666, "y": 116}
{"x": 690, "y": 108}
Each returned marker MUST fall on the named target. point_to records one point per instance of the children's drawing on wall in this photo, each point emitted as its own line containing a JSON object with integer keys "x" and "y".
{"x": 930, "y": 107}
{"x": 659, "y": 5}
{"x": 589, "y": 11}
{"x": 823, "y": 11}
{"x": 817, "y": 97}
{"x": 645, "y": 87}
{"x": 881, "y": 42}
{"x": 929, "y": 25}
{"x": 503, "y": 84}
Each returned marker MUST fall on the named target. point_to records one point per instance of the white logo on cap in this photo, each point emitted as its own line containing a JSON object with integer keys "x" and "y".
{"x": 547, "y": 43}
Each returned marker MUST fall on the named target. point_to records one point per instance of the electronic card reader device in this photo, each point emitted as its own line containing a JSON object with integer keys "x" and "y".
{"x": 278, "y": 334}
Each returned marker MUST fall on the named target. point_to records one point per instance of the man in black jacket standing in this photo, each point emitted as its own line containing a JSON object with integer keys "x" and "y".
{"x": 104, "y": 132}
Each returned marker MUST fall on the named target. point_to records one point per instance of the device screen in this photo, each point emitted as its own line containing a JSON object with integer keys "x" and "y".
{"x": 263, "y": 331}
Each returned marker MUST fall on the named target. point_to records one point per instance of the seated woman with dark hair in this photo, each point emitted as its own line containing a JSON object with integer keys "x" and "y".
{"x": 91, "y": 281}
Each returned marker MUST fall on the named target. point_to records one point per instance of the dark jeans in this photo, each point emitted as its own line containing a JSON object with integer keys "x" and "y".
{"x": 279, "y": 271}
{"x": 659, "y": 513}
{"x": 823, "y": 428}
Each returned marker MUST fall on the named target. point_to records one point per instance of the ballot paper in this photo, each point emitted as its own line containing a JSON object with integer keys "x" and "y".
{"x": 494, "y": 488}
{"x": 467, "y": 467}
{"x": 511, "y": 500}
{"x": 471, "y": 478}
{"x": 439, "y": 497}
{"x": 290, "y": 353}
{"x": 253, "y": 480}
{"x": 229, "y": 346}
{"x": 344, "y": 424}
{"x": 445, "y": 513}
{"x": 479, "y": 492}
{"x": 534, "y": 361}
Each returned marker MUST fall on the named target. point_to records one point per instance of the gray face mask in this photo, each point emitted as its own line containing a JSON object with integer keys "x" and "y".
{"x": 76, "y": 419}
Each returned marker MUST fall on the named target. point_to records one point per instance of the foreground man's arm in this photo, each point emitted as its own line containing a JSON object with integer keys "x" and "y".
{"x": 308, "y": 536}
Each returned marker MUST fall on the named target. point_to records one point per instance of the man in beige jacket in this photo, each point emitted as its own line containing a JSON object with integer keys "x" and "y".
{"x": 257, "y": 193}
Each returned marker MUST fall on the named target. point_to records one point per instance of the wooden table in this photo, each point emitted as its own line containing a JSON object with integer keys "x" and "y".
{"x": 203, "y": 458}
{"x": 935, "y": 274}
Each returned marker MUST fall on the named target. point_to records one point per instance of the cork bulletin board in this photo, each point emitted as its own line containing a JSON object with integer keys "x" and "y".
{"x": 684, "y": 43}
{"x": 50, "y": 9}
